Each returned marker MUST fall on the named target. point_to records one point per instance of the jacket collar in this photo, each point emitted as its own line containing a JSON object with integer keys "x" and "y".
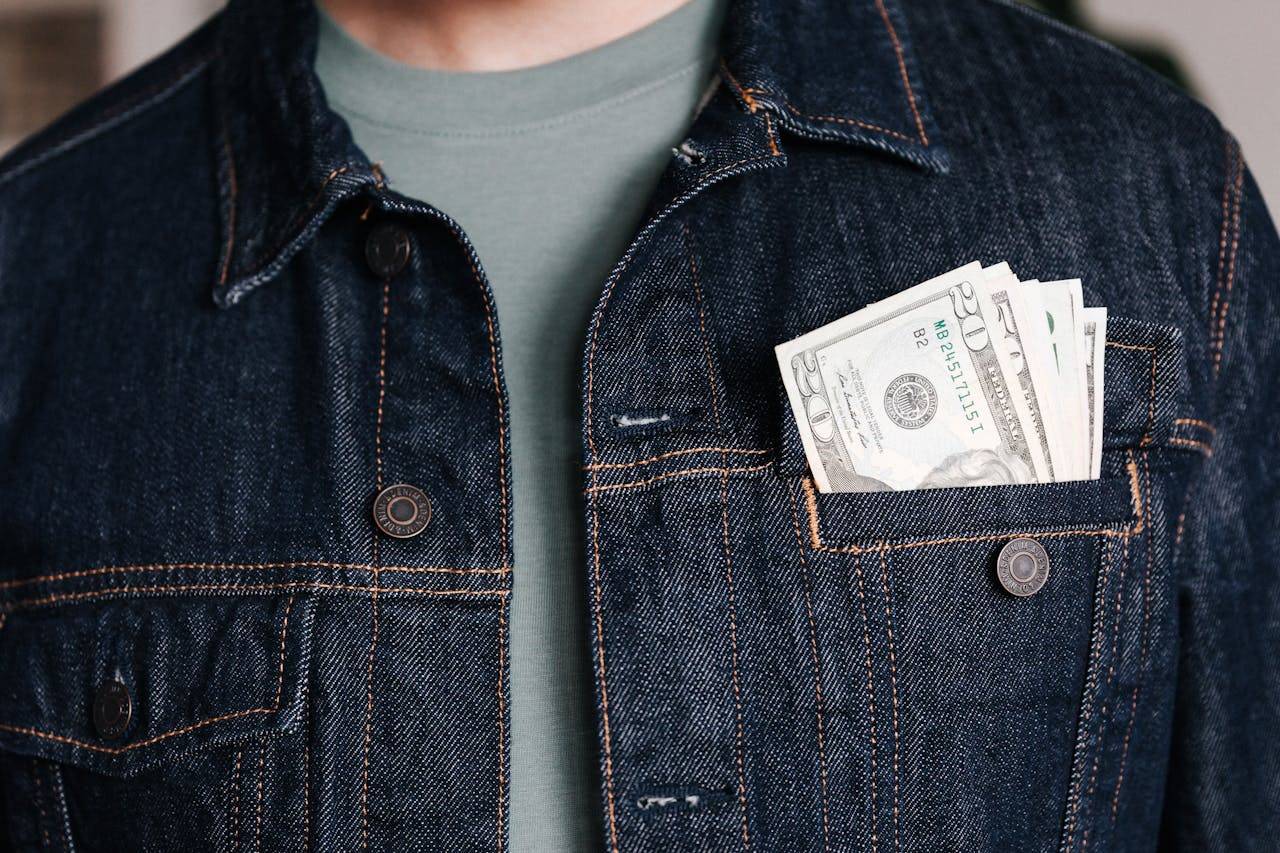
{"x": 837, "y": 70}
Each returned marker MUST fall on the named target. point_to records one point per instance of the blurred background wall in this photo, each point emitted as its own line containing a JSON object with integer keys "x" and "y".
{"x": 54, "y": 52}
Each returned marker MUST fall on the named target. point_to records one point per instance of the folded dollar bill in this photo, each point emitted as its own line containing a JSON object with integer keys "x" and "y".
{"x": 973, "y": 378}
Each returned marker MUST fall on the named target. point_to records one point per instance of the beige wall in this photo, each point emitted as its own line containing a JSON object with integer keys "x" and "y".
{"x": 1231, "y": 49}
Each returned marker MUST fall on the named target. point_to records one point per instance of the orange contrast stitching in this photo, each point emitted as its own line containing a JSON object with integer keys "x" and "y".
{"x": 1105, "y": 715}
{"x": 893, "y": 686}
{"x": 695, "y": 279}
{"x": 1197, "y": 422}
{"x": 902, "y": 68}
{"x": 265, "y": 587}
{"x": 603, "y": 672}
{"x": 871, "y": 694}
{"x": 817, "y": 672}
{"x": 232, "y": 203}
{"x": 382, "y": 387}
{"x": 866, "y": 125}
{"x": 1142, "y": 657}
{"x": 262, "y": 772}
{"x": 501, "y": 405}
{"x": 1203, "y": 447}
{"x": 608, "y": 466}
{"x": 686, "y": 472}
{"x": 773, "y": 139}
{"x": 1226, "y": 275}
{"x": 1151, "y": 393}
{"x": 1227, "y": 182}
{"x": 816, "y": 543}
{"x": 384, "y": 322}
{"x": 502, "y": 724}
{"x": 119, "y": 750}
{"x": 303, "y": 564}
{"x": 235, "y": 802}
{"x": 745, "y": 94}
{"x": 1231, "y": 270}
{"x": 733, "y": 645}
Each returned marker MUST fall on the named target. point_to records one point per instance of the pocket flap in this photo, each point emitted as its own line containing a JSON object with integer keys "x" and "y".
{"x": 1145, "y": 383}
{"x": 196, "y": 672}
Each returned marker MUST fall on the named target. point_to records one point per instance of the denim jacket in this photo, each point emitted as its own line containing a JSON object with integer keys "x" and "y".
{"x": 223, "y": 332}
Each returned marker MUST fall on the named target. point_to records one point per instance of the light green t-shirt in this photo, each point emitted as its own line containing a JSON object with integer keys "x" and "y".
{"x": 548, "y": 170}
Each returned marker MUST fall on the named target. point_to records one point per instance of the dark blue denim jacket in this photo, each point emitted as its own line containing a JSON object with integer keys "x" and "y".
{"x": 206, "y": 644}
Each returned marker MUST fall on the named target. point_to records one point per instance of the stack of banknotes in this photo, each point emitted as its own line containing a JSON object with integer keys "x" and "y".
{"x": 973, "y": 378}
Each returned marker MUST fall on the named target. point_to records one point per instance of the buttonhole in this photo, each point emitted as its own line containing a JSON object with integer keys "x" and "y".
{"x": 647, "y": 422}
{"x": 680, "y": 798}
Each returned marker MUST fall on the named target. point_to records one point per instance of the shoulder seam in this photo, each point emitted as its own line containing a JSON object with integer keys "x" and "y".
{"x": 111, "y": 118}
{"x": 1101, "y": 43}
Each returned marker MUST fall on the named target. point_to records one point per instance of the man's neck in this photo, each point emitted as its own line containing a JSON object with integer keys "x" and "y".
{"x": 491, "y": 35}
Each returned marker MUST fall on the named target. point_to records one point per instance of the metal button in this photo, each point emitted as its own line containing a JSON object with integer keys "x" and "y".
{"x": 1023, "y": 567}
{"x": 112, "y": 710}
{"x": 387, "y": 249}
{"x": 401, "y": 511}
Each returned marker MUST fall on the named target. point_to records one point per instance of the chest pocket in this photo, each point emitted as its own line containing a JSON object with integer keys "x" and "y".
{"x": 955, "y": 715}
{"x": 158, "y": 720}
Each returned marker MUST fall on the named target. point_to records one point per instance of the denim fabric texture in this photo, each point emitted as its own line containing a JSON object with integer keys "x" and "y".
{"x": 203, "y": 384}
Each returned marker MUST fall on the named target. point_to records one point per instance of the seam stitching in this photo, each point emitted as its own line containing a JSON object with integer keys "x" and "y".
{"x": 383, "y": 323}
{"x": 871, "y": 696}
{"x": 64, "y": 813}
{"x": 1197, "y": 422}
{"x": 302, "y": 564}
{"x": 502, "y": 724}
{"x": 262, "y": 772}
{"x": 816, "y": 542}
{"x": 603, "y": 673}
{"x": 793, "y": 109}
{"x": 115, "y": 116}
{"x": 252, "y": 588}
{"x": 902, "y": 68}
{"x": 1231, "y": 268}
{"x": 893, "y": 686}
{"x": 687, "y": 472}
{"x": 39, "y": 798}
{"x": 1105, "y": 716}
{"x": 267, "y": 258}
{"x": 501, "y": 406}
{"x": 1226, "y": 257}
{"x": 733, "y": 646}
{"x": 235, "y": 802}
{"x": 610, "y": 466}
{"x": 119, "y": 750}
{"x": 233, "y": 184}
{"x": 1142, "y": 657}
{"x": 712, "y": 387}
{"x": 1203, "y": 447}
{"x": 817, "y": 671}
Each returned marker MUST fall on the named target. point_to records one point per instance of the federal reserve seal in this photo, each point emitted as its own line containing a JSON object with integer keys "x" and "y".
{"x": 911, "y": 401}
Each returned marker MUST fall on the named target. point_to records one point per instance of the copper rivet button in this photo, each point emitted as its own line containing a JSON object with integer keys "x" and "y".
{"x": 112, "y": 710}
{"x": 387, "y": 249}
{"x": 1023, "y": 567}
{"x": 401, "y": 511}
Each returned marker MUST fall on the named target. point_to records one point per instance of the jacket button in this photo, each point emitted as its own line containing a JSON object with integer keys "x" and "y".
{"x": 401, "y": 511}
{"x": 112, "y": 710}
{"x": 387, "y": 249}
{"x": 1022, "y": 567}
